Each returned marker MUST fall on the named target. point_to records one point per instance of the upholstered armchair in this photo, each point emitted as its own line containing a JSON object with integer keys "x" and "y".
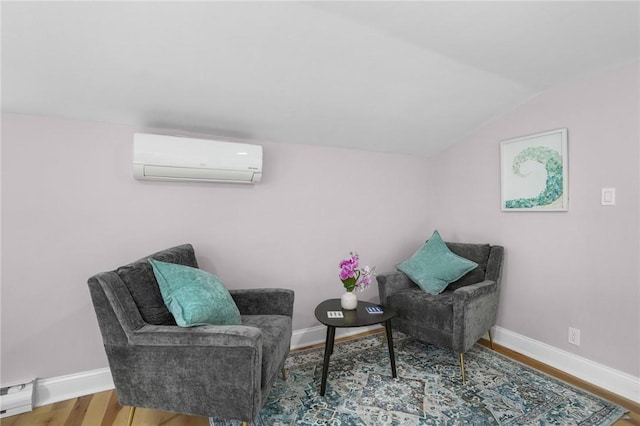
{"x": 217, "y": 371}
{"x": 459, "y": 316}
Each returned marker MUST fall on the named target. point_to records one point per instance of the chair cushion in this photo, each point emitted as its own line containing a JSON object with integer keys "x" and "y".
{"x": 276, "y": 339}
{"x": 193, "y": 296}
{"x": 433, "y": 267}
{"x": 141, "y": 282}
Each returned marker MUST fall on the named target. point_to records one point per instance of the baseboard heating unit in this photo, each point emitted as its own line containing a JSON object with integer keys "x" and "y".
{"x": 16, "y": 399}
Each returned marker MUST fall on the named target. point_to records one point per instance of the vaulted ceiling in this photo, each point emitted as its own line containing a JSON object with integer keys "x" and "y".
{"x": 392, "y": 76}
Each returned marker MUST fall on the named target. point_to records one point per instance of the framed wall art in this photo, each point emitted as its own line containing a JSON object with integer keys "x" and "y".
{"x": 534, "y": 173}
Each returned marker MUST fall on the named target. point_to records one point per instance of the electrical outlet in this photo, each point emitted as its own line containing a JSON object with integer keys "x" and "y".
{"x": 574, "y": 336}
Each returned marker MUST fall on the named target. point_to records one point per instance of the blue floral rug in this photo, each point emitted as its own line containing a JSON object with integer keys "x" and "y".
{"x": 428, "y": 390}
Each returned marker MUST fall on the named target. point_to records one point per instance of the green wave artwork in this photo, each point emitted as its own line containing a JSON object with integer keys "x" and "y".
{"x": 553, "y": 188}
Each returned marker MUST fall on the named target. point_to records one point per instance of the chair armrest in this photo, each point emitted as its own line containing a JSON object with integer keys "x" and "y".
{"x": 391, "y": 282}
{"x": 474, "y": 290}
{"x": 264, "y": 301}
{"x": 475, "y": 308}
{"x": 207, "y": 335}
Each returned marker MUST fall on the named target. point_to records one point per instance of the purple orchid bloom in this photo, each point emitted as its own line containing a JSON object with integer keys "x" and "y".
{"x": 351, "y": 276}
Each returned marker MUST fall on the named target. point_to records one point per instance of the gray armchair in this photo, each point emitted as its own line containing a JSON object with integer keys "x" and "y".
{"x": 459, "y": 316}
{"x": 224, "y": 372}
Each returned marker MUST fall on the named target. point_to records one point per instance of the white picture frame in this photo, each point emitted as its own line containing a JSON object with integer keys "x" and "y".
{"x": 534, "y": 172}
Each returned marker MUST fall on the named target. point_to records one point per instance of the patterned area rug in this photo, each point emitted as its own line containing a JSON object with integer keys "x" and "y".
{"x": 428, "y": 390}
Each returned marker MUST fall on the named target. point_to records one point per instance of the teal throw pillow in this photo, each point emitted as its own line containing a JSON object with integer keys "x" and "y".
{"x": 194, "y": 296}
{"x": 434, "y": 266}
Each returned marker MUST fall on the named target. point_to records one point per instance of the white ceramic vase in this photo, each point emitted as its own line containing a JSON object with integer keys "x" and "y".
{"x": 349, "y": 300}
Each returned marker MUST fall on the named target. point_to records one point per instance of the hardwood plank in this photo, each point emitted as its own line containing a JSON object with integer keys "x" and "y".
{"x": 632, "y": 419}
{"x": 97, "y": 408}
{"x": 112, "y": 410}
{"x": 78, "y": 411}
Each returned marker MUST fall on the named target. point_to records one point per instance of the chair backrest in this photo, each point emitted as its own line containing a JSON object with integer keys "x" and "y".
{"x": 488, "y": 258}
{"x": 141, "y": 282}
{"x": 129, "y": 297}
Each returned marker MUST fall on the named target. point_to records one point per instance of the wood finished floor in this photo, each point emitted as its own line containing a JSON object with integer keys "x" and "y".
{"x": 103, "y": 409}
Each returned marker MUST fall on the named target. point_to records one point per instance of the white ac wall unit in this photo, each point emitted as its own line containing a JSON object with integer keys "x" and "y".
{"x": 158, "y": 157}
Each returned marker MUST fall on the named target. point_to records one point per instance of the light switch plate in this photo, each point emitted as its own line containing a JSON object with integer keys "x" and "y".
{"x": 608, "y": 196}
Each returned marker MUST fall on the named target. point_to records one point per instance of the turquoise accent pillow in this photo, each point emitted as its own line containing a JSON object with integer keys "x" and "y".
{"x": 194, "y": 296}
{"x": 434, "y": 266}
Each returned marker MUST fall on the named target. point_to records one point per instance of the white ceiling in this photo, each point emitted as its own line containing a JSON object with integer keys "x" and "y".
{"x": 393, "y": 76}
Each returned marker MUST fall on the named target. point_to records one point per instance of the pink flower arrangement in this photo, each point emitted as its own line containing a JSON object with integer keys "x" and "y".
{"x": 352, "y": 276}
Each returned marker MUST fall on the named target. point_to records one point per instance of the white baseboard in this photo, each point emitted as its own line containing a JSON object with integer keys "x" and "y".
{"x": 615, "y": 381}
{"x": 56, "y": 389}
{"x": 52, "y": 390}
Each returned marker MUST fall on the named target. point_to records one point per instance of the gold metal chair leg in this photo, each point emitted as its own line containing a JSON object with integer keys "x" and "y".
{"x": 245, "y": 424}
{"x": 284, "y": 374}
{"x": 462, "y": 366}
{"x": 132, "y": 411}
{"x": 491, "y": 339}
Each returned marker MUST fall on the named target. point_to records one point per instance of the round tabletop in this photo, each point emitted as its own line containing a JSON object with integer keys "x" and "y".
{"x": 358, "y": 317}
